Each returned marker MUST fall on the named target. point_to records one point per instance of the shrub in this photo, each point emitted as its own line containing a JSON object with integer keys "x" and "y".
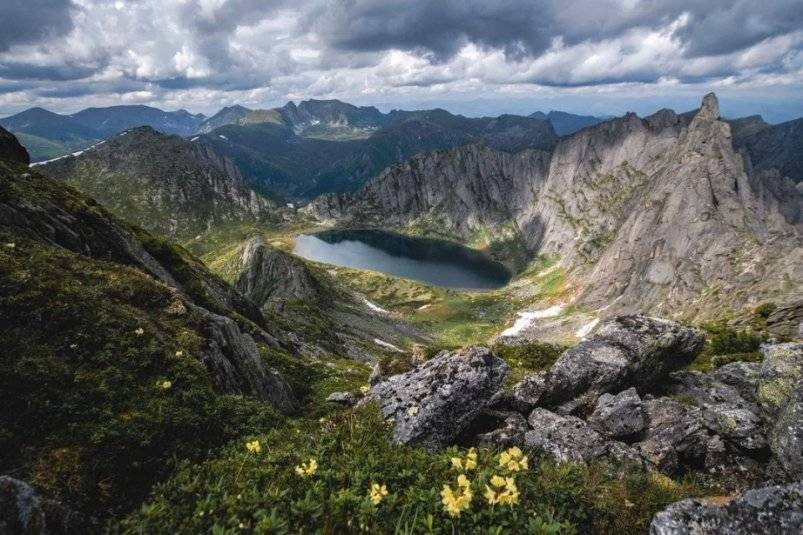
{"x": 274, "y": 491}
{"x": 725, "y": 344}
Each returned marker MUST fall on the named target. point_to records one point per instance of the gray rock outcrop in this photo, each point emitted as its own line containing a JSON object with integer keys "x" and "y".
{"x": 618, "y": 416}
{"x": 626, "y": 351}
{"x": 270, "y": 276}
{"x": 770, "y": 510}
{"x": 433, "y": 403}
{"x": 235, "y": 365}
{"x": 781, "y": 369}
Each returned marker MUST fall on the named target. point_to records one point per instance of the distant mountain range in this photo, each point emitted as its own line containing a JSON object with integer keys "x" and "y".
{"x": 49, "y": 135}
{"x": 299, "y": 151}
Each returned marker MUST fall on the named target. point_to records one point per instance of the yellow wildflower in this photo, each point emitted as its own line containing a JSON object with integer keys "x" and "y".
{"x": 513, "y": 459}
{"x": 412, "y": 410}
{"x": 165, "y": 385}
{"x": 254, "y": 446}
{"x": 469, "y": 463}
{"x": 139, "y": 331}
{"x": 308, "y": 468}
{"x": 378, "y": 492}
{"x": 364, "y": 389}
{"x": 179, "y": 353}
{"x": 73, "y": 346}
{"x": 458, "y": 499}
{"x": 10, "y": 245}
{"x": 502, "y": 490}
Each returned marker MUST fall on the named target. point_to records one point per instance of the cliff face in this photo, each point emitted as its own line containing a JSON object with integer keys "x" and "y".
{"x": 163, "y": 183}
{"x": 653, "y": 214}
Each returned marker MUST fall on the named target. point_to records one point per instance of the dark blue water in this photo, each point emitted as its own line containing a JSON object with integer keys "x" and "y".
{"x": 434, "y": 262}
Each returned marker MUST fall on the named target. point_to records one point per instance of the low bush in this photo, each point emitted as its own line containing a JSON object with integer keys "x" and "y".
{"x": 343, "y": 475}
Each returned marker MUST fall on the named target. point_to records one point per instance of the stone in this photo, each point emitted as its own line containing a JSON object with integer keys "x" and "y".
{"x": 618, "y": 416}
{"x": 736, "y": 425}
{"x": 781, "y": 369}
{"x": 434, "y": 402}
{"x": 786, "y": 436}
{"x": 769, "y": 510}
{"x": 626, "y": 351}
{"x": 675, "y": 435}
{"x": 510, "y": 432}
{"x": 23, "y": 510}
{"x": 563, "y": 438}
{"x": 376, "y": 374}
{"x": 346, "y": 399}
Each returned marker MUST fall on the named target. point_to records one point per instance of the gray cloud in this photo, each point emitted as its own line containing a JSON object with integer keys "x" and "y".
{"x": 256, "y": 51}
{"x": 27, "y": 21}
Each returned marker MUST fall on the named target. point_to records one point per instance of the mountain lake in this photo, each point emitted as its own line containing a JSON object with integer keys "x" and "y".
{"x": 436, "y": 262}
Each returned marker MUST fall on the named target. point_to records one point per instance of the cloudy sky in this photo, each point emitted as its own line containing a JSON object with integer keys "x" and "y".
{"x": 470, "y": 56}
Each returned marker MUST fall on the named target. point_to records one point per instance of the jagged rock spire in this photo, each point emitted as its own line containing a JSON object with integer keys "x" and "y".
{"x": 710, "y": 107}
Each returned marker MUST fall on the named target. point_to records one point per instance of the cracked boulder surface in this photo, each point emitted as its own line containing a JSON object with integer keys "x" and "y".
{"x": 433, "y": 403}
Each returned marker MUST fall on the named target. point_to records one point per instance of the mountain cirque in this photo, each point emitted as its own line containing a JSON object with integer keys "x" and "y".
{"x": 659, "y": 214}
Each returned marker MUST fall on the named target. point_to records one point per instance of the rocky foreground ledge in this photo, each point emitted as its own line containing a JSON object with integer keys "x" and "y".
{"x": 619, "y": 396}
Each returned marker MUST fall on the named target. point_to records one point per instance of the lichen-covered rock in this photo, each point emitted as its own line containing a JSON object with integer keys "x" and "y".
{"x": 236, "y": 367}
{"x": 735, "y": 424}
{"x": 675, "y": 435}
{"x": 786, "y": 436}
{"x": 511, "y": 431}
{"x": 563, "y": 438}
{"x": 768, "y": 510}
{"x": 781, "y": 369}
{"x": 743, "y": 376}
{"x": 618, "y": 416}
{"x": 626, "y": 351}
{"x": 24, "y": 511}
{"x": 433, "y": 403}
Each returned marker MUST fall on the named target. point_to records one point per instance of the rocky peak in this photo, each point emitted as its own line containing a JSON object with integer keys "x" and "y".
{"x": 710, "y": 107}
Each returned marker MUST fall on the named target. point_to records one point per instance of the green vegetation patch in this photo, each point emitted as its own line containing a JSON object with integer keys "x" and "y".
{"x": 342, "y": 475}
{"x": 102, "y": 389}
{"x": 725, "y": 344}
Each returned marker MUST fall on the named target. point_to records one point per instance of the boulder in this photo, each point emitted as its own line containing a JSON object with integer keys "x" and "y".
{"x": 786, "y": 437}
{"x": 563, "y": 438}
{"x": 433, "y": 403}
{"x": 781, "y": 369}
{"x": 770, "y": 510}
{"x": 626, "y": 351}
{"x": 736, "y": 425}
{"x": 618, "y": 416}
{"x": 510, "y": 430}
{"x": 23, "y": 510}
{"x": 675, "y": 435}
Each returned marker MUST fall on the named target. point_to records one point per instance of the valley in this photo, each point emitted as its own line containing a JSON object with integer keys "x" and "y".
{"x": 619, "y": 305}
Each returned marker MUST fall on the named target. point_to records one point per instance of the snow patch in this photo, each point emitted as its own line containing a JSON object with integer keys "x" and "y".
{"x": 586, "y": 329}
{"x": 221, "y": 136}
{"x": 195, "y": 138}
{"x": 374, "y": 307}
{"x": 526, "y": 318}
{"x": 387, "y": 345}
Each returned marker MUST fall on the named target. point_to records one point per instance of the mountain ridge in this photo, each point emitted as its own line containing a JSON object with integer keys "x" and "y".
{"x": 596, "y": 195}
